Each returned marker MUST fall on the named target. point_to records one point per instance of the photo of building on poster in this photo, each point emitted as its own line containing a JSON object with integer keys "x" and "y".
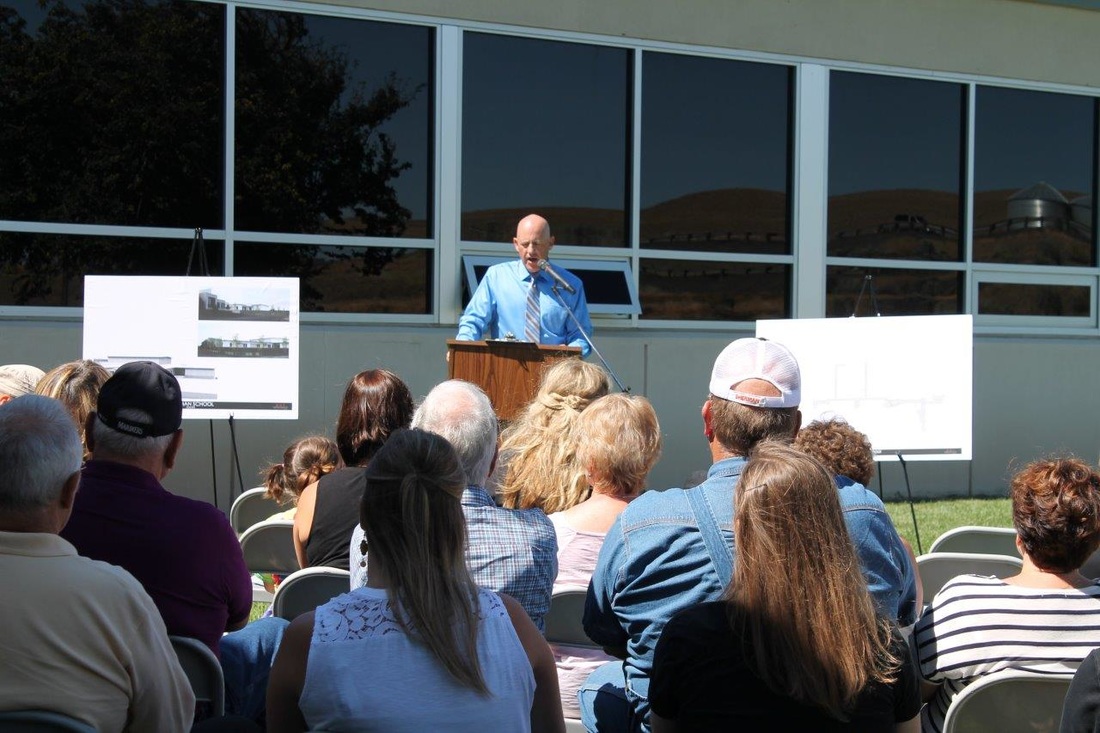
{"x": 232, "y": 343}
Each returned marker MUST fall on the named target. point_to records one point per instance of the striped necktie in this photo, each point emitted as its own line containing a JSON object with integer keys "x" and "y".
{"x": 531, "y": 324}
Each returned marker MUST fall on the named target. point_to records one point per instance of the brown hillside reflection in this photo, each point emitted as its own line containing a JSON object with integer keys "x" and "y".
{"x": 898, "y": 224}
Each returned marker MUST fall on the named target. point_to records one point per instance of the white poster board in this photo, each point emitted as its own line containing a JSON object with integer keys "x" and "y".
{"x": 904, "y": 381}
{"x": 232, "y": 342}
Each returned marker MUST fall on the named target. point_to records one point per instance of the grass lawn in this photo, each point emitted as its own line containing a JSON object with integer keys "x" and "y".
{"x": 937, "y": 516}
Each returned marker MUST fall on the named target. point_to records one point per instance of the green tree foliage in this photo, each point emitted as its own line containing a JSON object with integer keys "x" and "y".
{"x": 112, "y": 112}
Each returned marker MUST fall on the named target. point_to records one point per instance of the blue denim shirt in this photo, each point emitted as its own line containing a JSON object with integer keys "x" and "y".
{"x": 654, "y": 563}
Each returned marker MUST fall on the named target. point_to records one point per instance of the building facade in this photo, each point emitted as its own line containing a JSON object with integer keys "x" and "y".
{"x": 743, "y": 160}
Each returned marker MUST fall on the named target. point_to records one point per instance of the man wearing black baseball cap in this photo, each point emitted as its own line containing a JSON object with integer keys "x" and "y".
{"x": 183, "y": 551}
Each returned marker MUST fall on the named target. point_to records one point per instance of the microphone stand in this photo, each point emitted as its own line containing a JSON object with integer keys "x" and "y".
{"x": 555, "y": 289}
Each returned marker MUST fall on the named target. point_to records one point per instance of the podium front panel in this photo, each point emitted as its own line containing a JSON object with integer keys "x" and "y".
{"x": 508, "y": 371}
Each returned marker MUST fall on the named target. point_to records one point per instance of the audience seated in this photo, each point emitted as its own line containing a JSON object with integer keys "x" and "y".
{"x": 376, "y": 402}
{"x": 1044, "y": 619}
{"x": 795, "y": 642}
{"x": 538, "y": 467}
{"x": 669, "y": 550}
{"x": 17, "y": 380}
{"x": 183, "y": 551}
{"x": 420, "y": 647}
{"x": 76, "y": 384}
{"x": 618, "y": 441}
{"x": 848, "y": 454}
{"x": 511, "y": 551}
{"x": 305, "y": 461}
{"x": 1081, "y": 709}
{"x": 82, "y": 637}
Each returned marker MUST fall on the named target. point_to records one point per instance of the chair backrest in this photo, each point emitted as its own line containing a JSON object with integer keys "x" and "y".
{"x": 268, "y": 547}
{"x": 1091, "y": 568}
{"x": 41, "y": 721}
{"x": 305, "y": 589}
{"x": 203, "y": 670}
{"x": 972, "y": 538}
{"x": 252, "y": 507}
{"x": 564, "y": 619}
{"x": 936, "y": 568}
{"x": 1009, "y": 700}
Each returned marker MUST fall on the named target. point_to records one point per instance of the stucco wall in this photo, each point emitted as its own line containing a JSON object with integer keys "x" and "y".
{"x": 1031, "y": 396}
{"x": 1000, "y": 38}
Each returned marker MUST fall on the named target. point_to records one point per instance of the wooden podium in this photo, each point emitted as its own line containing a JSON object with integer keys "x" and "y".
{"x": 508, "y": 371}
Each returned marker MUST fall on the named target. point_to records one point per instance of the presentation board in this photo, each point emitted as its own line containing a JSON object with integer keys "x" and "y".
{"x": 904, "y": 381}
{"x": 232, "y": 342}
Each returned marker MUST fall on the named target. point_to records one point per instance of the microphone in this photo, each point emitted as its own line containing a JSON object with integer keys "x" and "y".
{"x": 545, "y": 267}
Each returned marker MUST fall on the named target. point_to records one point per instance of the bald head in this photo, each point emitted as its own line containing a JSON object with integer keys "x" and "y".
{"x": 533, "y": 241}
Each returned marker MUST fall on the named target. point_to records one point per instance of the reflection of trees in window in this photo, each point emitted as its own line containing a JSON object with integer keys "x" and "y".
{"x": 310, "y": 154}
{"x": 49, "y": 269}
{"x": 113, "y": 112}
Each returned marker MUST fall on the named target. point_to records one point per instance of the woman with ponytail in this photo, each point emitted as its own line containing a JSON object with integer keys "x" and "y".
{"x": 421, "y": 647}
{"x": 305, "y": 461}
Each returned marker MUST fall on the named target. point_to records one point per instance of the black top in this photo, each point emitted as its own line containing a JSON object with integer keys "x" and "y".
{"x": 335, "y": 517}
{"x": 701, "y": 680}
{"x": 1081, "y": 711}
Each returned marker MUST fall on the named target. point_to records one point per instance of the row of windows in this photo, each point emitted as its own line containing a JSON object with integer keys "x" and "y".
{"x": 309, "y": 147}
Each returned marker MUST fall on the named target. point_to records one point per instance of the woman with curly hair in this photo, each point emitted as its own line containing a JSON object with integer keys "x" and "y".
{"x": 537, "y": 449}
{"x": 1043, "y": 619}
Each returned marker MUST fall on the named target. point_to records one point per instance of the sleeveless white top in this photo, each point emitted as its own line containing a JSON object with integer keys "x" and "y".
{"x": 366, "y": 674}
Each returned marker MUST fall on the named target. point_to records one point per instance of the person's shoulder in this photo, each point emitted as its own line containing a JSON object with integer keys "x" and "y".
{"x": 656, "y": 502}
{"x": 103, "y": 583}
{"x": 197, "y": 511}
{"x": 535, "y": 520}
{"x": 853, "y": 494}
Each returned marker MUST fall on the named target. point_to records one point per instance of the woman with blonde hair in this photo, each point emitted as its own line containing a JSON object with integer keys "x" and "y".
{"x": 618, "y": 441}
{"x": 796, "y": 642}
{"x": 76, "y": 385}
{"x": 420, "y": 647}
{"x": 537, "y": 449}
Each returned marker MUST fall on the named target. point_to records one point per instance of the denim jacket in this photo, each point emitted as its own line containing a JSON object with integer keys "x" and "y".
{"x": 654, "y": 563}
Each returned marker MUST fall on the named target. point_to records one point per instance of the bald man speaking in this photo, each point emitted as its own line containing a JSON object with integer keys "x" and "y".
{"x": 517, "y": 299}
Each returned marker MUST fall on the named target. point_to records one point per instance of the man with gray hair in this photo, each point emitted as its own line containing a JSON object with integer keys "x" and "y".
{"x": 513, "y": 551}
{"x": 183, "y": 551}
{"x": 82, "y": 637}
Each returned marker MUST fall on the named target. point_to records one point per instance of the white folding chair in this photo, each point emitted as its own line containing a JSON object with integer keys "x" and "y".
{"x": 1010, "y": 700}
{"x": 250, "y": 507}
{"x": 973, "y": 538}
{"x": 936, "y": 568}
{"x": 203, "y": 671}
{"x": 306, "y": 589}
{"x": 563, "y": 622}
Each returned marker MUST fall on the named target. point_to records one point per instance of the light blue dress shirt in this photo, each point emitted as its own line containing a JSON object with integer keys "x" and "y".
{"x": 499, "y": 307}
